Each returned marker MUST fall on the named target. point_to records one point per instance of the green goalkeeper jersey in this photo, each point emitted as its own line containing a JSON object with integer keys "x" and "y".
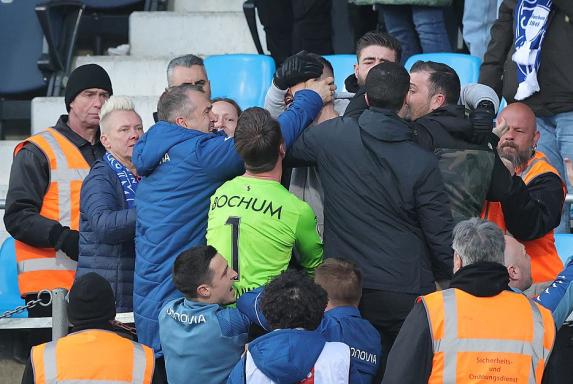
{"x": 255, "y": 223}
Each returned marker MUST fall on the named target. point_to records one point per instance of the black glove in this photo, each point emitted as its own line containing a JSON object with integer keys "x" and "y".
{"x": 67, "y": 240}
{"x": 482, "y": 121}
{"x": 296, "y": 69}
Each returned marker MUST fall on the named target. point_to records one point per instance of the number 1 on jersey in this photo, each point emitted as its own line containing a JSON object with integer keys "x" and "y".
{"x": 234, "y": 222}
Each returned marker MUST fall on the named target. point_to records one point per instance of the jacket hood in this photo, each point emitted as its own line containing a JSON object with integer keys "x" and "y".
{"x": 385, "y": 125}
{"x": 351, "y": 83}
{"x": 287, "y": 355}
{"x": 156, "y": 142}
{"x": 450, "y": 118}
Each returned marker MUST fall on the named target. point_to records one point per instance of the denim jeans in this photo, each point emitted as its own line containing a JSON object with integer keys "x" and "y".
{"x": 479, "y": 16}
{"x": 419, "y": 29}
{"x": 556, "y": 142}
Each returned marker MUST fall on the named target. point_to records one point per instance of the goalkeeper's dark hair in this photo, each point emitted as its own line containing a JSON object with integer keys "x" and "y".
{"x": 293, "y": 300}
{"x": 257, "y": 139}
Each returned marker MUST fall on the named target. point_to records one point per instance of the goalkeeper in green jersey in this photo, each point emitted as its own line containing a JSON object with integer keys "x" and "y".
{"x": 254, "y": 222}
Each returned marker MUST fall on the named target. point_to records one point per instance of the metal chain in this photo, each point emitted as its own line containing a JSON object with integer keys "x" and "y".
{"x": 29, "y": 304}
{"x": 125, "y": 327}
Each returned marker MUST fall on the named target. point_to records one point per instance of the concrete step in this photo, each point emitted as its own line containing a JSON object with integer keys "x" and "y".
{"x": 207, "y": 5}
{"x": 201, "y": 33}
{"x": 132, "y": 75}
{"x": 47, "y": 110}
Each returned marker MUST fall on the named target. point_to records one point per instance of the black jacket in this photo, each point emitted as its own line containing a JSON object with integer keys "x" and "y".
{"x": 410, "y": 360}
{"x": 555, "y": 76}
{"x": 357, "y": 104}
{"x": 467, "y": 167}
{"x": 385, "y": 206}
{"x": 29, "y": 178}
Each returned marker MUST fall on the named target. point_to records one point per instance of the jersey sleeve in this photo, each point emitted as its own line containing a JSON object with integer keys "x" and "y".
{"x": 232, "y": 322}
{"x": 308, "y": 242}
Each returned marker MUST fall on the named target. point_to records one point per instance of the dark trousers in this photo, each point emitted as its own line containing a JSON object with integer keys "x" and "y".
{"x": 294, "y": 25}
{"x": 386, "y": 311}
{"x": 159, "y": 374}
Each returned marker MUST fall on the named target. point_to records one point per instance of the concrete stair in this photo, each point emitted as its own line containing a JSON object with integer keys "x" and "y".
{"x": 207, "y": 5}
{"x": 47, "y": 110}
{"x": 132, "y": 75}
{"x": 200, "y": 33}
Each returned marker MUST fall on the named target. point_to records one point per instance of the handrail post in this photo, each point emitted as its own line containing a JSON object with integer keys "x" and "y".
{"x": 59, "y": 313}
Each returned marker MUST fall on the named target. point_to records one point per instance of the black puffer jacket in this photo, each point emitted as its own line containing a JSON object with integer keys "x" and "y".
{"x": 555, "y": 76}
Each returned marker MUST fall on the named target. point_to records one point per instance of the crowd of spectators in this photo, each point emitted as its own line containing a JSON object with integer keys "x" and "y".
{"x": 403, "y": 236}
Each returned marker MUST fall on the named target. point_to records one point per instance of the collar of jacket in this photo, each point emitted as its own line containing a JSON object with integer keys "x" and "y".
{"x": 482, "y": 279}
{"x": 351, "y": 84}
{"x": 63, "y": 127}
{"x": 343, "y": 311}
{"x": 385, "y": 125}
{"x": 451, "y": 118}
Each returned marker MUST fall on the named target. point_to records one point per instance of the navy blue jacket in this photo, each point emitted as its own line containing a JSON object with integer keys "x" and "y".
{"x": 181, "y": 169}
{"x": 339, "y": 324}
{"x": 107, "y": 232}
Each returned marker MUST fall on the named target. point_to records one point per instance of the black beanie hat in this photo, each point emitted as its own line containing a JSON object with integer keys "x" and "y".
{"x": 91, "y": 300}
{"x": 85, "y": 77}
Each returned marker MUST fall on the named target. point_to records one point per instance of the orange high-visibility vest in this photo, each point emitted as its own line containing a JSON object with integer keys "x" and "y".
{"x": 545, "y": 261}
{"x": 506, "y": 338}
{"x": 92, "y": 355}
{"x": 46, "y": 268}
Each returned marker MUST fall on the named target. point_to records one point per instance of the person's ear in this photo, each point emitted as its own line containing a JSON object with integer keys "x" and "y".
{"x": 282, "y": 150}
{"x": 105, "y": 141}
{"x": 458, "y": 263}
{"x": 366, "y": 98}
{"x": 203, "y": 291}
{"x": 180, "y": 121}
{"x": 514, "y": 272}
{"x": 437, "y": 101}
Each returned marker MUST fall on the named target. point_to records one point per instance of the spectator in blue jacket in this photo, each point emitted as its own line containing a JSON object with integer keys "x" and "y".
{"x": 182, "y": 163}
{"x": 342, "y": 322}
{"x": 295, "y": 351}
{"x": 342, "y": 281}
{"x": 201, "y": 340}
{"x": 107, "y": 204}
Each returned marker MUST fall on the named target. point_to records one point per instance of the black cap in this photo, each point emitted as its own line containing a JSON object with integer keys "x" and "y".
{"x": 86, "y": 77}
{"x": 91, "y": 300}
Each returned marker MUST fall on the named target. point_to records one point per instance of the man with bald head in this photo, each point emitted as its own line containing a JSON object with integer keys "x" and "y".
{"x": 531, "y": 206}
{"x": 518, "y": 264}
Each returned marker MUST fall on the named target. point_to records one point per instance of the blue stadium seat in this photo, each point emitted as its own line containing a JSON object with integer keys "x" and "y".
{"x": 343, "y": 67}
{"x": 9, "y": 292}
{"x": 502, "y": 105}
{"x": 244, "y": 78}
{"x": 564, "y": 245}
{"x": 466, "y": 66}
{"x": 21, "y": 39}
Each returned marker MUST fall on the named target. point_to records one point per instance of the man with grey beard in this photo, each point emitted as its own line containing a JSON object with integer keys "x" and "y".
{"x": 531, "y": 208}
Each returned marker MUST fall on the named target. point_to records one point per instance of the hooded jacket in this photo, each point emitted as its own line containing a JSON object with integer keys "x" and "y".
{"x": 385, "y": 204}
{"x": 180, "y": 169}
{"x": 466, "y": 167}
{"x": 289, "y": 356}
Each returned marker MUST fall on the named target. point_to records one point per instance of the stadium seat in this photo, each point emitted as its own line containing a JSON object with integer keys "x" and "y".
{"x": 343, "y": 67}
{"x": 502, "y": 105}
{"x": 466, "y": 66}
{"x": 244, "y": 78}
{"x": 564, "y": 245}
{"x": 9, "y": 292}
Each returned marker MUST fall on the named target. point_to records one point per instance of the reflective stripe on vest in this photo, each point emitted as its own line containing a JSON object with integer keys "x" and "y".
{"x": 545, "y": 262}
{"x": 449, "y": 348}
{"x": 140, "y": 374}
{"x": 46, "y": 268}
